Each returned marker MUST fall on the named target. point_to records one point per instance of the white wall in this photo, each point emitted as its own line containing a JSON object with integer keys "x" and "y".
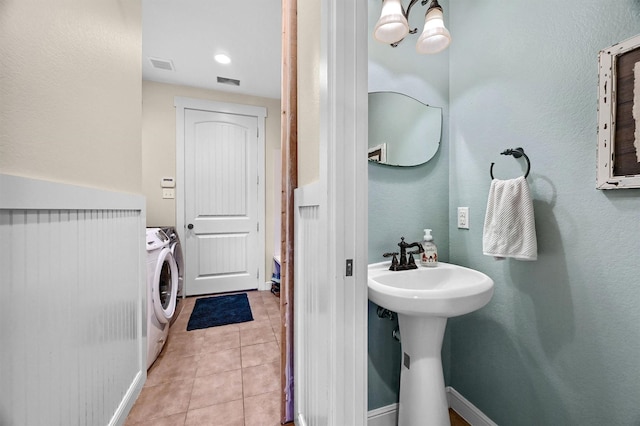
{"x": 70, "y": 89}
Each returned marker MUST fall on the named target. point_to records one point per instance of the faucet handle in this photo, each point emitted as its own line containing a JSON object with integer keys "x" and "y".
{"x": 394, "y": 261}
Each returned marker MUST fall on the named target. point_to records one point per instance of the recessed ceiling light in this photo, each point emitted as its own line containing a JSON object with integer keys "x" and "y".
{"x": 221, "y": 58}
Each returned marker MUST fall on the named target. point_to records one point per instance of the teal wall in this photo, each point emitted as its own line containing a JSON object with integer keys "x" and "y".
{"x": 559, "y": 343}
{"x": 403, "y": 201}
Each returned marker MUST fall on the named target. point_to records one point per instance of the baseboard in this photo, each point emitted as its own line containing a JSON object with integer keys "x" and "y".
{"x": 388, "y": 415}
{"x": 466, "y": 409}
{"x": 301, "y": 420}
{"x": 120, "y": 416}
{"x": 383, "y": 416}
{"x": 265, "y": 286}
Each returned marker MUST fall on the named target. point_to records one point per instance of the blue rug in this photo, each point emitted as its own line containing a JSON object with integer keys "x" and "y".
{"x": 220, "y": 310}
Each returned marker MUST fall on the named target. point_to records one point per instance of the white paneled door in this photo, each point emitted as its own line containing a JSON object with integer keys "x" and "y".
{"x": 221, "y": 188}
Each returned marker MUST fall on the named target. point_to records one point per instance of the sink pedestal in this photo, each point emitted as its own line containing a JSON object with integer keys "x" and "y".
{"x": 423, "y": 400}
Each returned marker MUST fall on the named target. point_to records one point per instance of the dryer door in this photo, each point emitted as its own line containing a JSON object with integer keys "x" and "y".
{"x": 165, "y": 286}
{"x": 176, "y": 251}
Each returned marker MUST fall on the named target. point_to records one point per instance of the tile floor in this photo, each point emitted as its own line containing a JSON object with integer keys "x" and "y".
{"x": 227, "y": 375}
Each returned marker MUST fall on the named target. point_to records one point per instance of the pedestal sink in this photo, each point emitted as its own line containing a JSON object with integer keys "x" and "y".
{"x": 424, "y": 298}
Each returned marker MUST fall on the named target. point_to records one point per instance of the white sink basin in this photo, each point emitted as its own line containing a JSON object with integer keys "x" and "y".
{"x": 444, "y": 291}
{"x": 424, "y": 298}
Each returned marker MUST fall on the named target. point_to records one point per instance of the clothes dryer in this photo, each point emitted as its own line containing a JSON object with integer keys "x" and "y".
{"x": 176, "y": 251}
{"x": 162, "y": 289}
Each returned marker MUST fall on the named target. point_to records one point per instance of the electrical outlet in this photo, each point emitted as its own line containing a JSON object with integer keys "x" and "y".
{"x": 168, "y": 193}
{"x": 463, "y": 217}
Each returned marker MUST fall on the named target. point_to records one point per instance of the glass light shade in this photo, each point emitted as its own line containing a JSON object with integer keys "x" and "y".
{"x": 435, "y": 37}
{"x": 392, "y": 25}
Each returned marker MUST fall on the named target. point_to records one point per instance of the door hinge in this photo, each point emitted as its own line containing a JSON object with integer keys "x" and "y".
{"x": 349, "y": 268}
{"x": 257, "y": 273}
{"x": 258, "y": 180}
{"x": 258, "y": 226}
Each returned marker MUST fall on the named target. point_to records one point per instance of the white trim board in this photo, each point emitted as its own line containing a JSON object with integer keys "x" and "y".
{"x": 17, "y": 192}
{"x": 383, "y": 416}
{"x": 466, "y": 409}
{"x": 336, "y": 391}
{"x": 265, "y": 286}
{"x": 388, "y": 415}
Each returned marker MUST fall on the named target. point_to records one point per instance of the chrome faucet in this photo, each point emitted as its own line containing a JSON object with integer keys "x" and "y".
{"x": 404, "y": 263}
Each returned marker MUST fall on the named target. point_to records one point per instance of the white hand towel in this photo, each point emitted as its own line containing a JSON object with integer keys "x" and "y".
{"x": 509, "y": 225}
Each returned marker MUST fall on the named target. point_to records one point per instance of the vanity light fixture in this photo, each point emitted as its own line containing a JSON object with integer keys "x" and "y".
{"x": 393, "y": 26}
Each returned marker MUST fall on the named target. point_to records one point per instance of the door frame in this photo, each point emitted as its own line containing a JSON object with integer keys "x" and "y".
{"x": 289, "y": 167}
{"x": 344, "y": 176}
{"x": 184, "y": 103}
{"x": 344, "y": 170}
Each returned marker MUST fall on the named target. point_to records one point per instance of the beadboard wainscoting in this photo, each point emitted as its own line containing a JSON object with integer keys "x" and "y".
{"x": 312, "y": 365}
{"x": 388, "y": 415}
{"x": 72, "y": 268}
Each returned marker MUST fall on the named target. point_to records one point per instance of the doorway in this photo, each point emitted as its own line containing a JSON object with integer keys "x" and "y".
{"x": 220, "y": 204}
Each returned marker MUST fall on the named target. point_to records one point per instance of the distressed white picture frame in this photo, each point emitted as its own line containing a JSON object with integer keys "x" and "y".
{"x": 607, "y": 117}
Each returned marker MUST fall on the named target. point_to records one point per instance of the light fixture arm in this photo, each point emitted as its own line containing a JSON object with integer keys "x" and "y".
{"x": 434, "y": 5}
{"x": 406, "y": 15}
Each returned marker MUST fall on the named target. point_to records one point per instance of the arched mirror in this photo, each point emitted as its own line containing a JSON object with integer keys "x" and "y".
{"x": 402, "y": 130}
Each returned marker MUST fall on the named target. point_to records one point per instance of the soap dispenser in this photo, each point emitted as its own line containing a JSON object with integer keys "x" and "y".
{"x": 429, "y": 256}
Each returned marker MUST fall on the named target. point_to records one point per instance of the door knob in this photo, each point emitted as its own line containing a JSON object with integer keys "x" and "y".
{"x": 190, "y": 226}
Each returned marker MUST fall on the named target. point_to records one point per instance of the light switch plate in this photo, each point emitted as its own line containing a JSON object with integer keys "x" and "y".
{"x": 168, "y": 193}
{"x": 463, "y": 217}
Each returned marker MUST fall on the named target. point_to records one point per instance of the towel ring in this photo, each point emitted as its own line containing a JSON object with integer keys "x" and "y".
{"x": 517, "y": 153}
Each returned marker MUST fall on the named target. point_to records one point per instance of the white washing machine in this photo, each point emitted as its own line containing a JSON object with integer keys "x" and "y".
{"x": 176, "y": 251}
{"x": 162, "y": 290}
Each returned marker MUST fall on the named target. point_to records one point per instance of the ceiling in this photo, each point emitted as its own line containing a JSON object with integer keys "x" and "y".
{"x": 190, "y": 32}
